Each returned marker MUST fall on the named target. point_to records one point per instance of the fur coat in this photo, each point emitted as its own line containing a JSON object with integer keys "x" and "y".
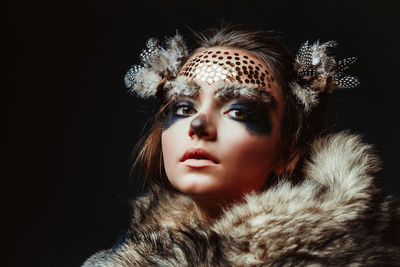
{"x": 338, "y": 216}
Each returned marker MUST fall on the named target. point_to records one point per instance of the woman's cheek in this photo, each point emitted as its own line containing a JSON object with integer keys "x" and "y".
{"x": 261, "y": 127}
{"x": 247, "y": 150}
{"x": 169, "y": 142}
{"x": 173, "y": 142}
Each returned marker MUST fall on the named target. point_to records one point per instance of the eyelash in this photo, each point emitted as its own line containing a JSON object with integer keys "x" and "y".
{"x": 240, "y": 111}
{"x": 232, "y": 111}
{"x": 179, "y": 110}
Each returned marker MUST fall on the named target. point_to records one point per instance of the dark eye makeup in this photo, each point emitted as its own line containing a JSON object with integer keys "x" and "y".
{"x": 253, "y": 115}
{"x": 179, "y": 109}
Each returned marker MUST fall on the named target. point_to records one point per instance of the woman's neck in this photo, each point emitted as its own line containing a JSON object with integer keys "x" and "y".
{"x": 208, "y": 209}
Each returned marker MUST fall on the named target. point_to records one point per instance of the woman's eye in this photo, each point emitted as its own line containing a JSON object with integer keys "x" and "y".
{"x": 238, "y": 114}
{"x": 185, "y": 111}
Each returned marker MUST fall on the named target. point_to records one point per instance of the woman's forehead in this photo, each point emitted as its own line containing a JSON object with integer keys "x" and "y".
{"x": 228, "y": 64}
{"x": 230, "y": 73}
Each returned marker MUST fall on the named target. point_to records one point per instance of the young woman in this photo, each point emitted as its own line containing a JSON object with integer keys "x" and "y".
{"x": 239, "y": 171}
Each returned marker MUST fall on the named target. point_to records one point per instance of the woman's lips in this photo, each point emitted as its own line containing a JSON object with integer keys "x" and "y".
{"x": 198, "y": 157}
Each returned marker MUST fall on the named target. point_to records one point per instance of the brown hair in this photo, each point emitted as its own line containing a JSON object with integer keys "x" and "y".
{"x": 298, "y": 127}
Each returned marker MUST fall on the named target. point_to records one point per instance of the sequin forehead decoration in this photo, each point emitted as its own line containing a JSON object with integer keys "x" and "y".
{"x": 227, "y": 64}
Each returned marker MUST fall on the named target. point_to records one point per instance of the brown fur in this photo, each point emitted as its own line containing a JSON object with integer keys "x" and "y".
{"x": 338, "y": 216}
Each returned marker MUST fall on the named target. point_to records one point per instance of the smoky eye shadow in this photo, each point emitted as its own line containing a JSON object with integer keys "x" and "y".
{"x": 258, "y": 120}
{"x": 171, "y": 116}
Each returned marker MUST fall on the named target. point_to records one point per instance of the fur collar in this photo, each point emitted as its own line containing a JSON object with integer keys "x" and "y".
{"x": 339, "y": 215}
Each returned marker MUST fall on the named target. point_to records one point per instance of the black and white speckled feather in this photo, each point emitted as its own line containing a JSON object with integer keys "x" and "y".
{"x": 318, "y": 72}
{"x": 156, "y": 64}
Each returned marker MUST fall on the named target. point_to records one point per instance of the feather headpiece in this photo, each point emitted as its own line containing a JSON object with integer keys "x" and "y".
{"x": 318, "y": 72}
{"x": 157, "y": 63}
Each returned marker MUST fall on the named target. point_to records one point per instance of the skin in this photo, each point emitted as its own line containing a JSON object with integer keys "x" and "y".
{"x": 242, "y": 136}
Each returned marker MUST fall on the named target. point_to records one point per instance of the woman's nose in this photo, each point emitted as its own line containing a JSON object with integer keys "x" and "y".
{"x": 202, "y": 128}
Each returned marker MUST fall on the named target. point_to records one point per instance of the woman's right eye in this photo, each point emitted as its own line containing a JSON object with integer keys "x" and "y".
{"x": 184, "y": 111}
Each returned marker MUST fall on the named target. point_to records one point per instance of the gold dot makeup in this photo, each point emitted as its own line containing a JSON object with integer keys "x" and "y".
{"x": 227, "y": 64}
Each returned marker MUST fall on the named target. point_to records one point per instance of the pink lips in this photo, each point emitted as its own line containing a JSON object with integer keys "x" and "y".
{"x": 198, "y": 157}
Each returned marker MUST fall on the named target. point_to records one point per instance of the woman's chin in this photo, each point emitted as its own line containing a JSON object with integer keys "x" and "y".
{"x": 198, "y": 185}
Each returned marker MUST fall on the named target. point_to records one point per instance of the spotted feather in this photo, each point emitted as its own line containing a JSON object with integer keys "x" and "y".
{"x": 331, "y": 43}
{"x": 304, "y": 55}
{"x": 152, "y": 48}
{"x": 130, "y": 76}
{"x": 344, "y": 64}
{"x": 349, "y": 82}
{"x": 307, "y": 73}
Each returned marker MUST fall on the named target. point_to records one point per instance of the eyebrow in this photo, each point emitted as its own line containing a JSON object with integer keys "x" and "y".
{"x": 181, "y": 87}
{"x": 250, "y": 93}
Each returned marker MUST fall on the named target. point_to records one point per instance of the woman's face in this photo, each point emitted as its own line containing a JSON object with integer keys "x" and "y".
{"x": 224, "y": 140}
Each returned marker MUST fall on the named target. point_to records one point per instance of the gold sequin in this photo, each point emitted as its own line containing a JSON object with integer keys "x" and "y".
{"x": 240, "y": 68}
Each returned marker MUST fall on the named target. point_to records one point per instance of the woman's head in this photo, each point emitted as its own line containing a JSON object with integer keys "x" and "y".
{"x": 269, "y": 143}
{"x": 224, "y": 138}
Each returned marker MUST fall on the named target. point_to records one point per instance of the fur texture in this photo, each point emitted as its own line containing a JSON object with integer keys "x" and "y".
{"x": 338, "y": 216}
{"x": 181, "y": 86}
{"x": 309, "y": 98}
{"x": 250, "y": 92}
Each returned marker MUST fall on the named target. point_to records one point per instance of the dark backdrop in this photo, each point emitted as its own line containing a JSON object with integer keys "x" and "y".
{"x": 70, "y": 126}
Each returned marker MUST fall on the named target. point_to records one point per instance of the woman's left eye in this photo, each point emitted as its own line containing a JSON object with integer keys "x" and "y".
{"x": 238, "y": 114}
{"x": 185, "y": 111}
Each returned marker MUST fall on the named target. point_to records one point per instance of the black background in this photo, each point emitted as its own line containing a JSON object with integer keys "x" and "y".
{"x": 70, "y": 126}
